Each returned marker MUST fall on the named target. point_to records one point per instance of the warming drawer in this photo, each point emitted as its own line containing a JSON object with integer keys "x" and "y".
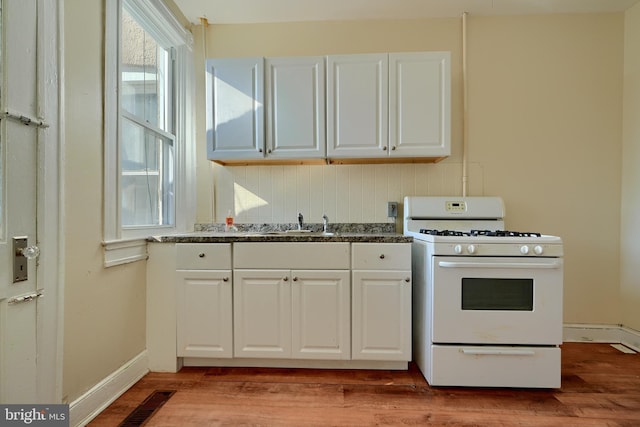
{"x": 489, "y": 366}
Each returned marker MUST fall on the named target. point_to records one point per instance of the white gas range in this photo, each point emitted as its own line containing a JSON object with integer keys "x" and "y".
{"x": 487, "y": 303}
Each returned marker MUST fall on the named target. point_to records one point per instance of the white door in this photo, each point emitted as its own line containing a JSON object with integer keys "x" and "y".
{"x": 29, "y": 362}
{"x": 204, "y": 313}
{"x": 321, "y": 314}
{"x": 381, "y": 315}
{"x": 235, "y": 112}
{"x": 262, "y": 313}
{"x": 18, "y": 145}
{"x": 357, "y": 105}
{"x": 295, "y": 107}
{"x": 419, "y": 104}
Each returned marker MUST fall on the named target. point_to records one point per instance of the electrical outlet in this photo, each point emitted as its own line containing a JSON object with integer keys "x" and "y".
{"x": 392, "y": 209}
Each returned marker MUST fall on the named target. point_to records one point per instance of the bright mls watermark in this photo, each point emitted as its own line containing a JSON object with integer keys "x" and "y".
{"x": 34, "y": 415}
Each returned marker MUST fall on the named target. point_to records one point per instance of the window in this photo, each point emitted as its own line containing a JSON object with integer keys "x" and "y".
{"x": 148, "y": 127}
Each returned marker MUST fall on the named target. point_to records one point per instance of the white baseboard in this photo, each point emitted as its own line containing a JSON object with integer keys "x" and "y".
{"x": 94, "y": 401}
{"x": 614, "y": 334}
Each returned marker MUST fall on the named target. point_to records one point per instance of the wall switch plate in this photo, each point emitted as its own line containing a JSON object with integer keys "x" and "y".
{"x": 392, "y": 209}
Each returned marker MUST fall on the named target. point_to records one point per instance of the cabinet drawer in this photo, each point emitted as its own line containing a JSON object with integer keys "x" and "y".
{"x": 292, "y": 255}
{"x": 381, "y": 256}
{"x": 203, "y": 256}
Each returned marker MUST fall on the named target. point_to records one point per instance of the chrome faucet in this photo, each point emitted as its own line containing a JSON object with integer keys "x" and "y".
{"x": 300, "y": 221}
{"x": 325, "y": 223}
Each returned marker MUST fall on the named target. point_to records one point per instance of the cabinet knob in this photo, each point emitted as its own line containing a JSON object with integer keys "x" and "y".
{"x": 201, "y": 255}
{"x": 384, "y": 148}
{"x": 393, "y": 148}
{"x": 286, "y": 279}
{"x": 381, "y": 256}
{"x": 225, "y": 279}
{"x": 259, "y": 150}
{"x": 407, "y": 279}
{"x": 295, "y": 279}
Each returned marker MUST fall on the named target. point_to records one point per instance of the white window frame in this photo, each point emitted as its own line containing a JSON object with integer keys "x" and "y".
{"x": 128, "y": 245}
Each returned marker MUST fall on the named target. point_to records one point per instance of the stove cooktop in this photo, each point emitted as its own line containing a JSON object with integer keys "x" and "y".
{"x": 488, "y": 242}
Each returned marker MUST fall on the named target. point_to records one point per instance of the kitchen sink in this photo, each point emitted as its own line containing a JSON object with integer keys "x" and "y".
{"x": 295, "y": 233}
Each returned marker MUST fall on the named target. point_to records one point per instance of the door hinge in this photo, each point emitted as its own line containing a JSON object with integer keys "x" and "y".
{"x": 24, "y": 298}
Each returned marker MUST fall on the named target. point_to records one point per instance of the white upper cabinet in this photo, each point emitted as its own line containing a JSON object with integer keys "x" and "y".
{"x": 357, "y": 105}
{"x": 293, "y": 89}
{"x": 419, "y": 104}
{"x": 295, "y": 108}
{"x": 389, "y": 106}
{"x": 376, "y": 108}
{"x": 235, "y": 116}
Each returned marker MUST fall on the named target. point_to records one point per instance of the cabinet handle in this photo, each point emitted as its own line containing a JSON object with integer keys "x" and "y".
{"x": 286, "y": 279}
{"x": 225, "y": 279}
{"x": 381, "y": 256}
{"x": 201, "y": 255}
{"x": 407, "y": 279}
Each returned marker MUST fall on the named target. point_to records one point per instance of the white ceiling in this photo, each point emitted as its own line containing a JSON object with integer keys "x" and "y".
{"x": 252, "y": 11}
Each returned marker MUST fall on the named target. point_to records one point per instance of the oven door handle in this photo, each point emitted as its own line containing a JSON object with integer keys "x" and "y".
{"x": 497, "y": 352}
{"x": 459, "y": 264}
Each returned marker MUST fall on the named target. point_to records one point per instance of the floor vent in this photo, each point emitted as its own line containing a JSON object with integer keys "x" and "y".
{"x": 623, "y": 348}
{"x": 144, "y": 411}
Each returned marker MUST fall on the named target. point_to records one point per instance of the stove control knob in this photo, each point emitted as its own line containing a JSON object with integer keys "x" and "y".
{"x": 457, "y": 249}
{"x": 538, "y": 250}
{"x": 524, "y": 250}
{"x": 471, "y": 249}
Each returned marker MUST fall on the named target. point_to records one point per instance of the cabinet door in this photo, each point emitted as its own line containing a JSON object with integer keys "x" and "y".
{"x": 419, "y": 104}
{"x": 235, "y": 116}
{"x": 381, "y": 317}
{"x": 203, "y": 308}
{"x": 262, "y": 313}
{"x": 357, "y": 105}
{"x": 295, "y": 107}
{"x": 321, "y": 314}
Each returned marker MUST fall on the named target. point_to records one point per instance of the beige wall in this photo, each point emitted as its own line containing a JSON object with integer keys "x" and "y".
{"x": 545, "y": 115}
{"x": 104, "y": 317}
{"x": 630, "y": 246}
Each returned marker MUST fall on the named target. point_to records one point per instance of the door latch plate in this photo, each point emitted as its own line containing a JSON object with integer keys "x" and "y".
{"x": 20, "y": 266}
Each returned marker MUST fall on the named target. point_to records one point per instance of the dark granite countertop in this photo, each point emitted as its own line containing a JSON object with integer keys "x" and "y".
{"x": 339, "y": 232}
{"x": 249, "y": 236}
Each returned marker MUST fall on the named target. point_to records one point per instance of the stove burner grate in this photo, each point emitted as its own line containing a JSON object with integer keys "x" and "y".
{"x": 491, "y": 233}
{"x": 503, "y": 233}
{"x": 434, "y": 232}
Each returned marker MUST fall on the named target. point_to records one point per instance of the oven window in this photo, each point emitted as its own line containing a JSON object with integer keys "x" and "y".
{"x": 497, "y": 294}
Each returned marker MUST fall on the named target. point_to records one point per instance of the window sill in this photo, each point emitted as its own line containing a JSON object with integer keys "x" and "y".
{"x": 118, "y": 252}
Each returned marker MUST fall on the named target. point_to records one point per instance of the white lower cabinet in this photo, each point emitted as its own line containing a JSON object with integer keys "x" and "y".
{"x": 204, "y": 313}
{"x": 204, "y": 288}
{"x": 381, "y": 301}
{"x": 311, "y": 304}
{"x": 300, "y": 314}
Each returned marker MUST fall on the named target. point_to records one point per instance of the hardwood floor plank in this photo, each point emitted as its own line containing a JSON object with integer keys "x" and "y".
{"x": 600, "y": 387}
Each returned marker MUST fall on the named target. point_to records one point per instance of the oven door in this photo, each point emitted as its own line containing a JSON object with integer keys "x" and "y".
{"x": 496, "y": 300}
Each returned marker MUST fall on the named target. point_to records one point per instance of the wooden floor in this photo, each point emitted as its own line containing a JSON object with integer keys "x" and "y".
{"x": 600, "y": 387}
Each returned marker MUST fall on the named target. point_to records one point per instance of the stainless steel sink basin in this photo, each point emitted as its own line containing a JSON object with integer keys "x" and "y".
{"x": 295, "y": 233}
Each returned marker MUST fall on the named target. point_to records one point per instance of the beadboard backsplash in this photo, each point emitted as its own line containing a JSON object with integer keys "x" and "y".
{"x": 345, "y": 193}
